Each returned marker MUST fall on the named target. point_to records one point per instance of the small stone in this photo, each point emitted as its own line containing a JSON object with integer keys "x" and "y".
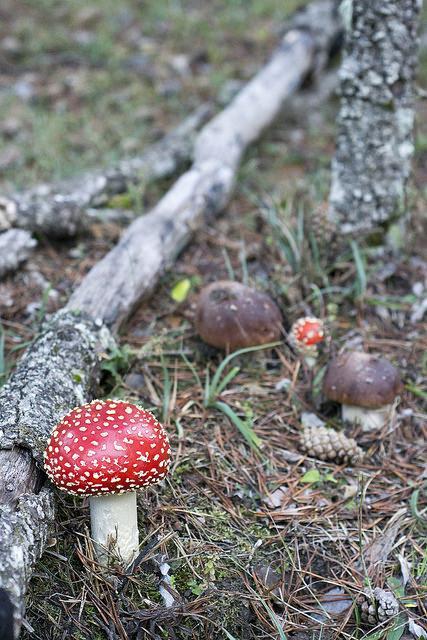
{"x": 270, "y": 578}
{"x": 134, "y": 381}
{"x": 418, "y": 289}
{"x": 283, "y": 384}
{"x": 15, "y": 247}
{"x": 88, "y": 16}
{"x": 6, "y": 297}
{"x": 9, "y": 157}
{"x": 169, "y": 88}
{"x": 276, "y": 498}
{"x": 180, "y": 63}
{"x": 310, "y": 419}
{"x": 10, "y": 127}
{"x": 24, "y": 90}
{"x": 141, "y": 64}
{"x": 10, "y": 44}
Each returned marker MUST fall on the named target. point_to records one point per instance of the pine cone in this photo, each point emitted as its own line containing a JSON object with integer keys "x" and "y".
{"x": 327, "y": 444}
{"x": 377, "y": 606}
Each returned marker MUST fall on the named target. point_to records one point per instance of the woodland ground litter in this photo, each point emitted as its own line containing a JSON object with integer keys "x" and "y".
{"x": 254, "y": 540}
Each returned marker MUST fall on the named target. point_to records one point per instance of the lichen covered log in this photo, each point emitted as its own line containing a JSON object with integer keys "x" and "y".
{"x": 61, "y": 210}
{"x": 59, "y": 371}
{"x": 376, "y": 118}
{"x": 24, "y": 529}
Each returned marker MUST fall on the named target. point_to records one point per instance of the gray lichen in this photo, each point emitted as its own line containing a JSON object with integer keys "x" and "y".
{"x": 15, "y": 247}
{"x": 23, "y": 534}
{"x": 45, "y": 385}
{"x": 58, "y": 372}
{"x": 375, "y": 124}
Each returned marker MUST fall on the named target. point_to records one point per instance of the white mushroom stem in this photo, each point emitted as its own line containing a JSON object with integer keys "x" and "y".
{"x": 369, "y": 419}
{"x": 114, "y": 526}
{"x": 310, "y": 361}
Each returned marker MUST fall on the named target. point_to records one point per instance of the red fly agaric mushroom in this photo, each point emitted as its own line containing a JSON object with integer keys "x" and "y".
{"x": 231, "y": 316}
{"x": 108, "y": 450}
{"x": 365, "y": 385}
{"x": 305, "y": 335}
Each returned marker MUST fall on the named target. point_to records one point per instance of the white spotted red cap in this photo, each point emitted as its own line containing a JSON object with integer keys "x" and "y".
{"x": 107, "y": 446}
{"x": 307, "y": 332}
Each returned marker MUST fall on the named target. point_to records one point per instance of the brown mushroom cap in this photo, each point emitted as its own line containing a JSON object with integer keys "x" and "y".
{"x": 231, "y": 316}
{"x": 362, "y": 380}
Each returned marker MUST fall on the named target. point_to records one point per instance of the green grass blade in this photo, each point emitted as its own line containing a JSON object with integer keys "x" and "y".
{"x": 375, "y": 635}
{"x": 228, "y": 264}
{"x": 396, "y": 632}
{"x": 218, "y": 373}
{"x": 193, "y": 369}
{"x": 244, "y": 264}
{"x": 208, "y": 387}
{"x": 416, "y": 513}
{"x": 361, "y": 282}
{"x": 226, "y": 379}
{"x": 41, "y": 314}
{"x": 416, "y": 391}
{"x": 166, "y": 391}
{"x": 275, "y": 620}
{"x": 300, "y": 231}
{"x": 245, "y": 429}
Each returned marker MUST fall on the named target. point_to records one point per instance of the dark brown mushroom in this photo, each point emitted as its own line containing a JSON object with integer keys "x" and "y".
{"x": 231, "y": 316}
{"x": 365, "y": 385}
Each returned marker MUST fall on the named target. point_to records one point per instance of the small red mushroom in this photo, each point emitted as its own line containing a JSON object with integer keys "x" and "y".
{"x": 108, "y": 450}
{"x": 305, "y": 334}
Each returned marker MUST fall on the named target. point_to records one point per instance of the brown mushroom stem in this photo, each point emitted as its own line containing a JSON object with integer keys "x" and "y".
{"x": 369, "y": 419}
{"x": 114, "y": 526}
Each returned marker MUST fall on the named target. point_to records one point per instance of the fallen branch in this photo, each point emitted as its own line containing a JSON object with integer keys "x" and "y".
{"x": 61, "y": 210}
{"x": 58, "y": 372}
{"x": 306, "y": 102}
{"x": 152, "y": 242}
{"x": 15, "y": 247}
{"x": 61, "y": 368}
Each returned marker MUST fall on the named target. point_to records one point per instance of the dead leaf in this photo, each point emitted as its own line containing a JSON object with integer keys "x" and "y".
{"x": 277, "y": 498}
{"x": 416, "y": 629}
{"x": 405, "y": 568}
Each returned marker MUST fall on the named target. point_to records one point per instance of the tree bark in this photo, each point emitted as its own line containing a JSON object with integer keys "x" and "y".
{"x": 61, "y": 210}
{"x": 375, "y": 123}
{"x": 58, "y": 372}
{"x": 61, "y": 368}
{"x": 15, "y": 247}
